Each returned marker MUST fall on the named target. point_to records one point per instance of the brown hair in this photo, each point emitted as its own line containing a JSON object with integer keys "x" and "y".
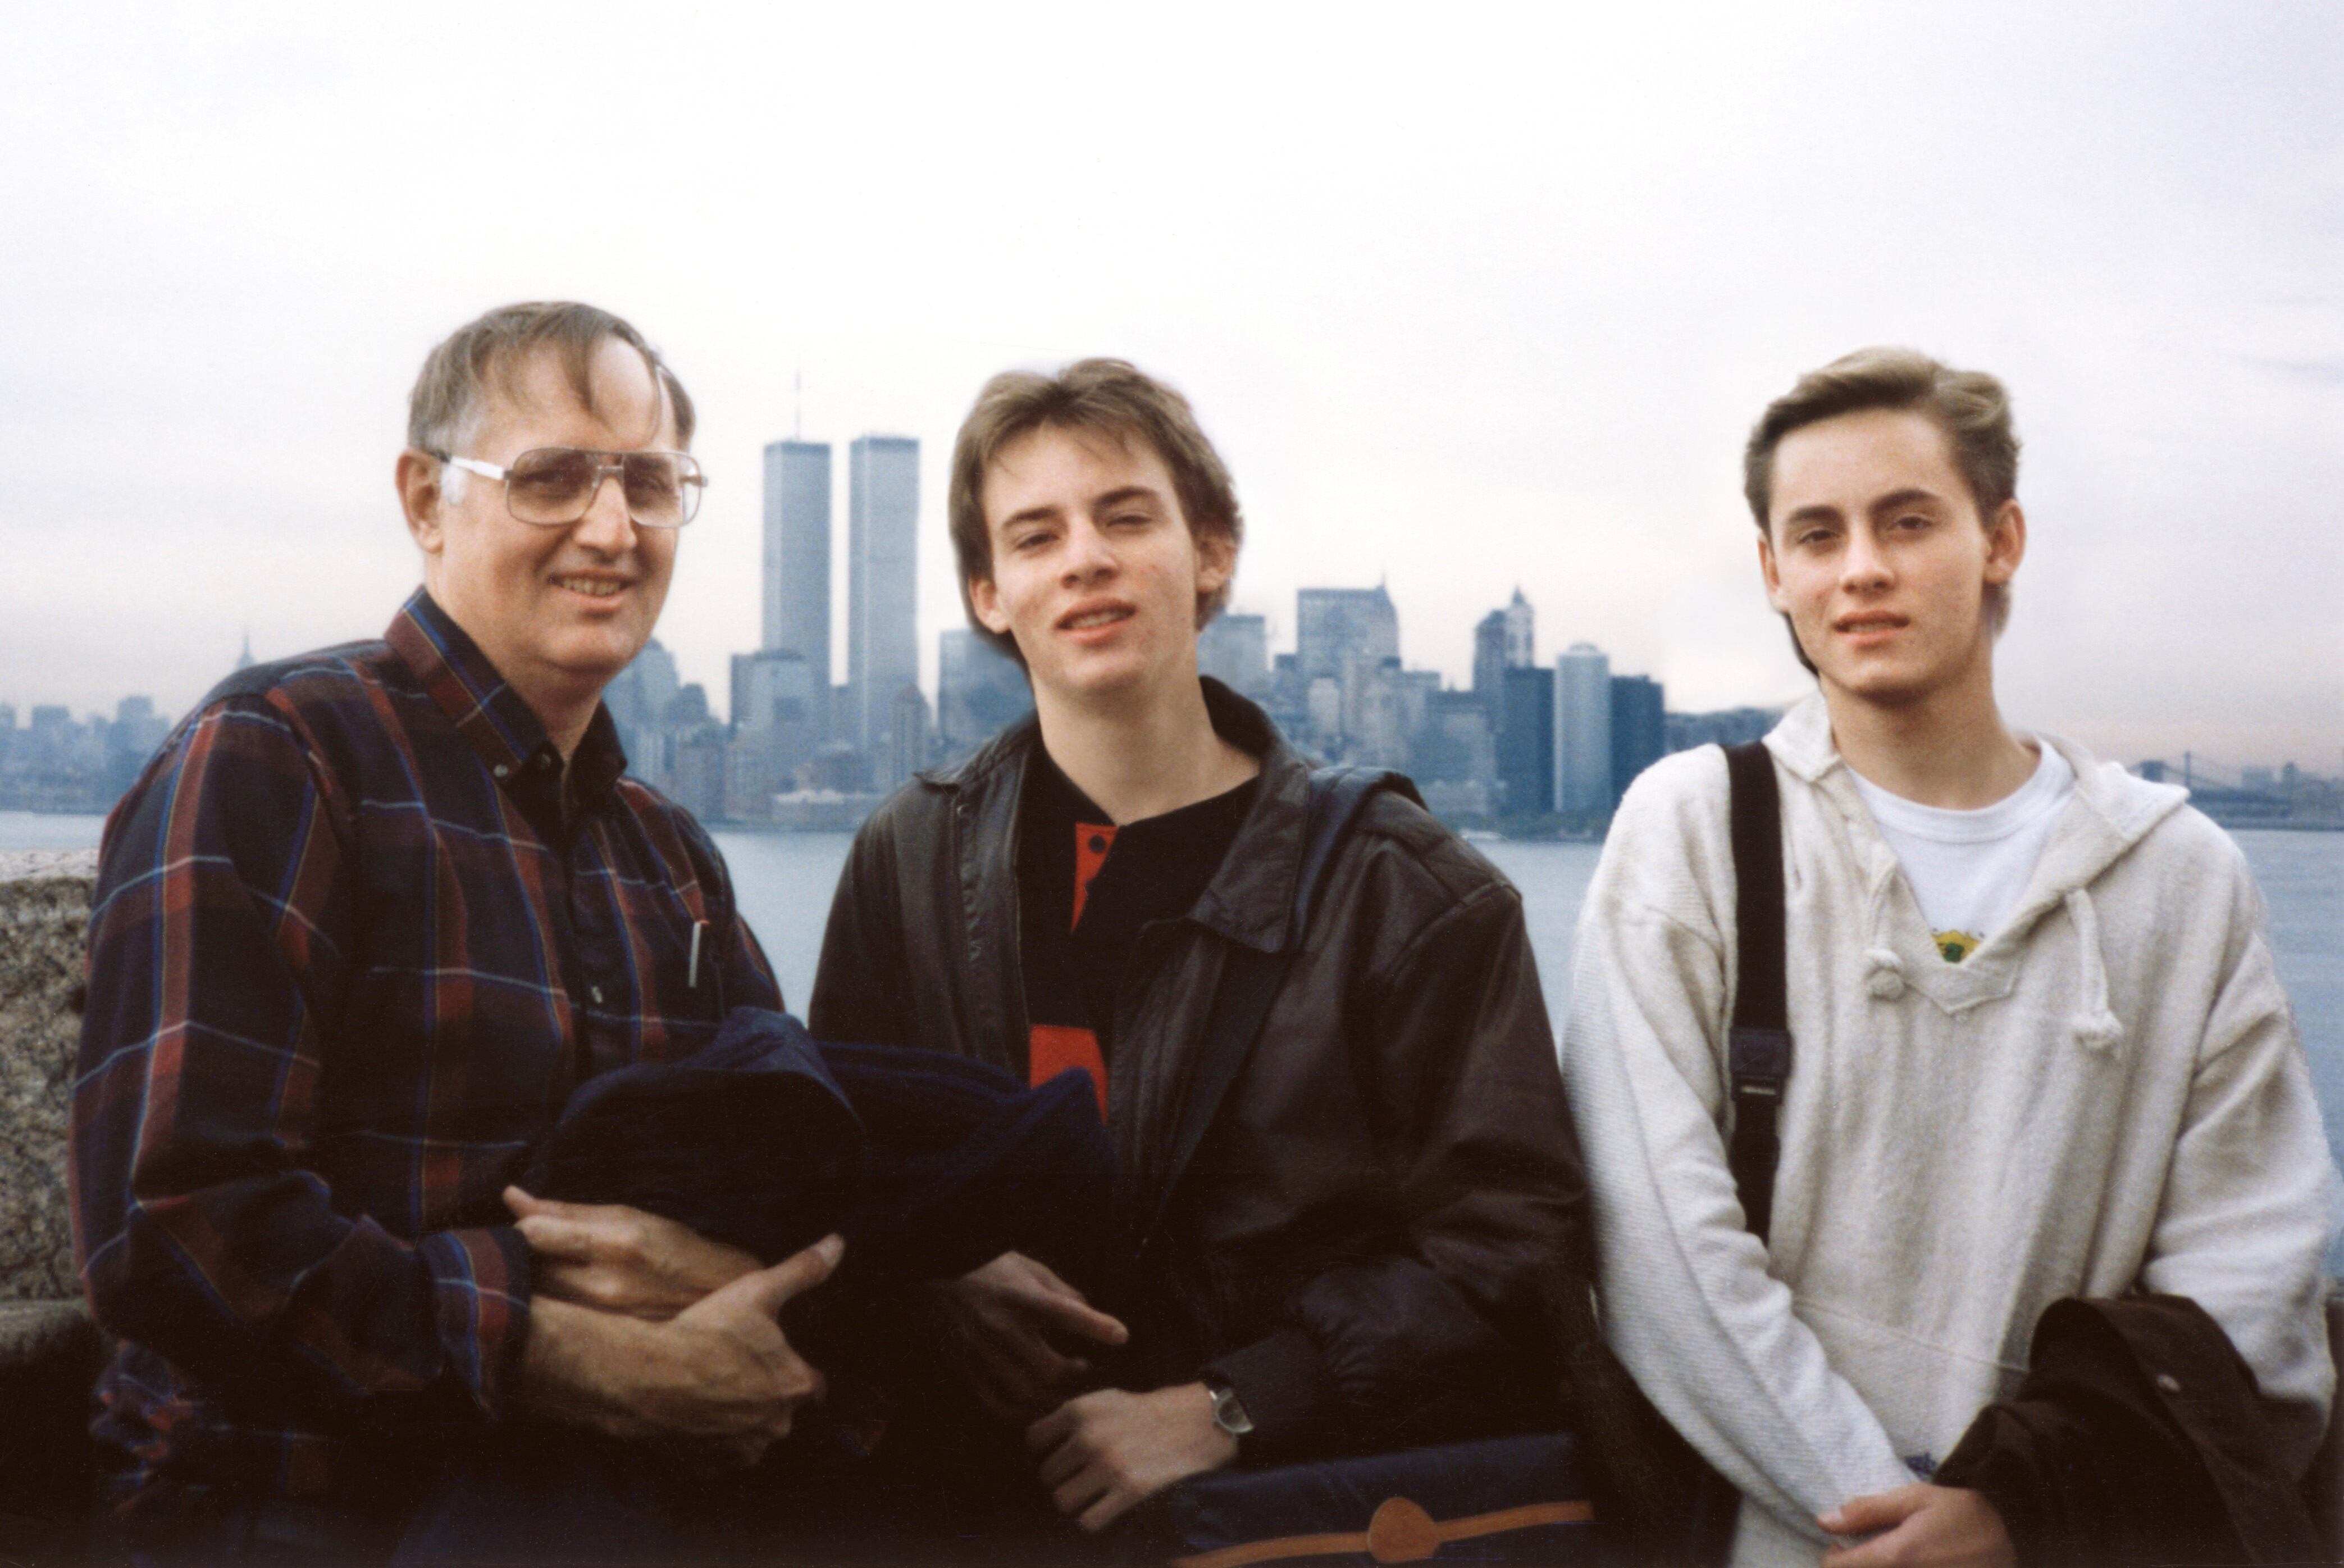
{"x": 1112, "y": 398}
{"x": 1970, "y": 407}
{"x": 447, "y": 396}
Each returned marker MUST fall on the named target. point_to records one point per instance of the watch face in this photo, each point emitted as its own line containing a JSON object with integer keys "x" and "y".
{"x": 1228, "y": 1414}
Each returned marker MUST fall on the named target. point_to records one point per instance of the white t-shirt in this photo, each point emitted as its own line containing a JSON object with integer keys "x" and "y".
{"x": 1968, "y": 869}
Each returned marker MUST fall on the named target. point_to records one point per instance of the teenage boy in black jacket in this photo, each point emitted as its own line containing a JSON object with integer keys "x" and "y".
{"x": 1354, "y": 1256}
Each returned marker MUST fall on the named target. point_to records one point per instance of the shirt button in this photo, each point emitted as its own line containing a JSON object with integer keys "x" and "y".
{"x": 501, "y": 770}
{"x": 595, "y": 992}
{"x": 2168, "y": 1382}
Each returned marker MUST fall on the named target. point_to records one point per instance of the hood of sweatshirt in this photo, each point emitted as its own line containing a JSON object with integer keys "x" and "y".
{"x": 2110, "y": 811}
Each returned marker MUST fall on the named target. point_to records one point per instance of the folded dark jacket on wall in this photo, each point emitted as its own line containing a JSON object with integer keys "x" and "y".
{"x": 929, "y": 1165}
{"x": 2138, "y": 1436}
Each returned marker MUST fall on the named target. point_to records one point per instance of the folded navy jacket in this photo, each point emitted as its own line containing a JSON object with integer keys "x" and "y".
{"x": 929, "y": 1164}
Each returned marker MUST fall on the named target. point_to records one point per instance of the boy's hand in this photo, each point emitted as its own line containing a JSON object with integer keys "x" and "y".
{"x": 1920, "y": 1525}
{"x": 1106, "y": 1451}
{"x": 1014, "y": 1328}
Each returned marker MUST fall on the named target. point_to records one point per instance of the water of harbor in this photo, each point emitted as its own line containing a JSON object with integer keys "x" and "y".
{"x": 784, "y": 882}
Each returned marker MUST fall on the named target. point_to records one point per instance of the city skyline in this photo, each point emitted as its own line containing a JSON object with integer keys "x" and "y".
{"x": 797, "y": 490}
{"x": 806, "y": 532}
{"x": 1534, "y": 745}
{"x": 1512, "y": 622}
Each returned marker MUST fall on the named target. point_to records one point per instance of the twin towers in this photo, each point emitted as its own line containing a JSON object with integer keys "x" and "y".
{"x": 785, "y": 687}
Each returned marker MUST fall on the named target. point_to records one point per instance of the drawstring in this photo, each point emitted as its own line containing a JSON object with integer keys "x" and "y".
{"x": 1883, "y": 970}
{"x": 1886, "y": 976}
{"x": 2096, "y": 1027}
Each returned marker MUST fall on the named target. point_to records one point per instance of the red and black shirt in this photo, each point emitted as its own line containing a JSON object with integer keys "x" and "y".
{"x": 1087, "y": 888}
{"x": 350, "y": 954}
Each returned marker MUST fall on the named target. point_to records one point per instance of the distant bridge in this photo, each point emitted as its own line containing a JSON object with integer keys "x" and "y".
{"x": 2244, "y": 795}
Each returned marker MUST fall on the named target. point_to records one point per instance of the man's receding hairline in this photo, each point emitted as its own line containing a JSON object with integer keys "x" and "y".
{"x": 477, "y": 363}
{"x": 505, "y": 381}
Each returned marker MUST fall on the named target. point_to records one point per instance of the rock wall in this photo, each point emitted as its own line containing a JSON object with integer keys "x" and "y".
{"x": 44, "y": 921}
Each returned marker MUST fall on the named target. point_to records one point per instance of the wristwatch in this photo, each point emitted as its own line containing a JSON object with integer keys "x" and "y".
{"x": 1229, "y": 1411}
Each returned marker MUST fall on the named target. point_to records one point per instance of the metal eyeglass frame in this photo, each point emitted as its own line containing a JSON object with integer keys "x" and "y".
{"x": 692, "y": 477}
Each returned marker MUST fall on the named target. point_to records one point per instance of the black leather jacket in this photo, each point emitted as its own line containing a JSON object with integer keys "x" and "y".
{"x": 1360, "y": 1244}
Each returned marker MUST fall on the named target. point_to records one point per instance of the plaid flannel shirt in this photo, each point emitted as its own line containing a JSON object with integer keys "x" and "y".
{"x": 350, "y": 955}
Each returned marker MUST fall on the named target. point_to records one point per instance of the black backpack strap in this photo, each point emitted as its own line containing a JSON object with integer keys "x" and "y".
{"x": 1250, "y": 979}
{"x": 1758, "y": 1042}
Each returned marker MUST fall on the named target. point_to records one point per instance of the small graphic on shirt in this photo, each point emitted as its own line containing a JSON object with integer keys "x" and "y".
{"x": 1092, "y": 841}
{"x": 1954, "y": 946}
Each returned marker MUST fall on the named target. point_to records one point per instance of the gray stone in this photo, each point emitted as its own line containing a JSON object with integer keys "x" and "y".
{"x": 43, "y": 926}
{"x": 33, "y": 1330}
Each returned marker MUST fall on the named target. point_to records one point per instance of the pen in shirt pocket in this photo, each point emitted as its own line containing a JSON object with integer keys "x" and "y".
{"x": 692, "y": 969}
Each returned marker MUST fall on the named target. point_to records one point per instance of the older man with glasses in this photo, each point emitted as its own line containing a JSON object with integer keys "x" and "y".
{"x": 365, "y": 921}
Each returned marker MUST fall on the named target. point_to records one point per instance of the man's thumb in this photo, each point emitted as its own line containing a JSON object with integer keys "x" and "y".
{"x": 768, "y": 1290}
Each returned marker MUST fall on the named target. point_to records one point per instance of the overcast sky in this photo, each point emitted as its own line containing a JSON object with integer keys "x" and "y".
{"x": 1468, "y": 297}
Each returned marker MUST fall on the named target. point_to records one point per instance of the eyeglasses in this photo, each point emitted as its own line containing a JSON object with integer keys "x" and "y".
{"x": 551, "y": 487}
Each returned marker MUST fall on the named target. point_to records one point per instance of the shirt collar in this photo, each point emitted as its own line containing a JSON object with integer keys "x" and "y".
{"x": 1252, "y": 892}
{"x": 488, "y": 712}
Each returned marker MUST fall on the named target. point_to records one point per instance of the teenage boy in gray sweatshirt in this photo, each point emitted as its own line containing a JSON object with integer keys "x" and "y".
{"x": 2040, "y": 1046}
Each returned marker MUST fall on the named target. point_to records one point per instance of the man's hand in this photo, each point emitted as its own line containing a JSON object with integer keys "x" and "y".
{"x": 719, "y": 1372}
{"x": 1107, "y": 1451}
{"x": 1922, "y": 1524}
{"x": 614, "y": 1259}
{"x": 1016, "y": 1330}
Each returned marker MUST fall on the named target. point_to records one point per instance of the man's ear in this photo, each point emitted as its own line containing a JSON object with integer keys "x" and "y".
{"x": 2005, "y": 542}
{"x": 421, "y": 497}
{"x": 1216, "y": 561}
{"x": 1766, "y": 569}
{"x": 985, "y": 600}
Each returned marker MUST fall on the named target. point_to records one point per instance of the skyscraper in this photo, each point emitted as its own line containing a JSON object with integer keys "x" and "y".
{"x": 1344, "y": 636}
{"x": 883, "y": 652}
{"x": 1490, "y": 661}
{"x": 907, "y": 736}
{"x": 1235, "y": 651}
{"x": 137, "y": 731}
{"x": 1503, "y": 639}
{"x": 1582, "y": 731}
{"x": 979, "y": 688}
{"x": 638, "y": 699}
{"x": 1639, "y": 732}
{"x": 797, "y": 556}
{"x": 1521, "y": 634}
{"x": 774, "y": 708}
{"x": 1453, "y": 756}
{"x": 1526, "y": 743}
{"x": 1336, "y": 628}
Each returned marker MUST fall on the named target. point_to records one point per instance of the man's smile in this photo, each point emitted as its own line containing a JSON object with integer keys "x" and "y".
{"x": 594, "y": 587}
